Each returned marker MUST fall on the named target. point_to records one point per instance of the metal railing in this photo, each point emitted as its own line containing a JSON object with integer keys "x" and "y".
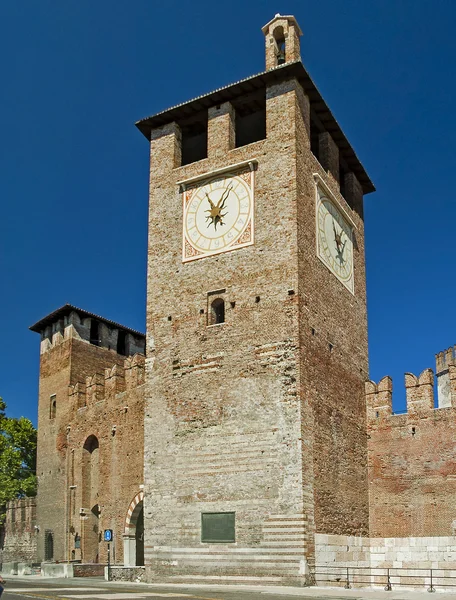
{"x": 384, "y": 576}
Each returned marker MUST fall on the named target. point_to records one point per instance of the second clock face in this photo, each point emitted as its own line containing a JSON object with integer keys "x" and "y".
{"x": 334, "y": 239}
{"x": 218, "y": 215}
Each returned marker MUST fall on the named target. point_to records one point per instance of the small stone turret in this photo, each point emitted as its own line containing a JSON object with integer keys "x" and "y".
{"x": 282, "y": 41}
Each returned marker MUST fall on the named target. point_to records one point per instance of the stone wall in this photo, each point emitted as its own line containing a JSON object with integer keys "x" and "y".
{"x": 409, "y": 561}
{"x": 20, "y": 533}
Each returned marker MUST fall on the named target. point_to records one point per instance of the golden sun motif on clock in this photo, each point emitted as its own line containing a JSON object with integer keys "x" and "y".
{"x": 218, "y": 215}
{"x": 334, "y": 238}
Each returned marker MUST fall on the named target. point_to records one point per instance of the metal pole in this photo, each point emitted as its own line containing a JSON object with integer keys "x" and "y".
{"x": 431, "y": 588}
{"x": 109, "y": 561}
{"x": 388, "y": 584}
{"x": 347, "y": 585}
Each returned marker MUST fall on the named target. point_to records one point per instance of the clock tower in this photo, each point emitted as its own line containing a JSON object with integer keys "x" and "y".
{"x": 255, "y": 437}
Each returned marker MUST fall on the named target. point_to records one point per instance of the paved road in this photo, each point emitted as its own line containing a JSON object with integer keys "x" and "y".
{"x": 98, "y": 589}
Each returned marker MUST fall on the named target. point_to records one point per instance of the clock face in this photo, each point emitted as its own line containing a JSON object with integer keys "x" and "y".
{"x": 218, "y": 215}
{"x": 334, "y": 239}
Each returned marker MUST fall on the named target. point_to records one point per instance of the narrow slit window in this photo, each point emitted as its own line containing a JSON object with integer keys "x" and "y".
{"x": 52, "y": 406}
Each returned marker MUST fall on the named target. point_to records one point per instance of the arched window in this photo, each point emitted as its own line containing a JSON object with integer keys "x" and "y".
{"x": 91, "y": 444}
{"x": 279, "y": 40}
{"x": 217, "y": 314}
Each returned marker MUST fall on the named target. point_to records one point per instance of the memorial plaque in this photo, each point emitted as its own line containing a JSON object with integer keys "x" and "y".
{"x": 218, "y": 527}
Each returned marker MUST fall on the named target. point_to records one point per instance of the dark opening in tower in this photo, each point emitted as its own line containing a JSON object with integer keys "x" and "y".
{"x": 279, "y": 41}
{"x": 217, "y": 311}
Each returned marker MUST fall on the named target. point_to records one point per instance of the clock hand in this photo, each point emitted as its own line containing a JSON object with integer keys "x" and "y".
{"x": 221, "y": 202}
{"x": 338, "y": 238}
{"x": 210, "y": 201}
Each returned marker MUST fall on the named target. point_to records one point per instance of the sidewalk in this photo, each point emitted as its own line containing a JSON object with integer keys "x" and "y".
{"x": 275, "y": 591}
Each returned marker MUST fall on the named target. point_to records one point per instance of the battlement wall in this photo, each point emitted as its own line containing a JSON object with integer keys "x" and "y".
{"x": 106, "y": 385}
{"x": 419, "y": 394}
{"x": 411, "y": 456}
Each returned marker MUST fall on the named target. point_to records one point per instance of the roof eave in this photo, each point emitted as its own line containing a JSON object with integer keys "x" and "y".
{"x": 286, "y": 71}
{"x": 67, "y": 309}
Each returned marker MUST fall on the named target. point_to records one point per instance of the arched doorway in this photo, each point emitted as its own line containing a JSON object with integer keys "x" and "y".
{"x": 134, "y": 533}
{"x": 139, "y": 537}
{"x": 48, "y": 545}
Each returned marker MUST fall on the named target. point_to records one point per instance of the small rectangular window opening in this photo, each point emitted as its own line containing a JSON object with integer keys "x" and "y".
{"x": 194, "y": 138}
{"x": 217, "y": 313}
{"x": 218, "y": 528}
{"x": 250, "y": 121}
{"x": 94, "y": 332}
{"x": 121, "y": 339}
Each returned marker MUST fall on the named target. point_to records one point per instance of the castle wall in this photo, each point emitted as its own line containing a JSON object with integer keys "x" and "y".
{"x": 408, "y": 560}
{"x": 99, "y": 393}
{"x": 111, "y": 408}
{"x": 223, "y": 413}
{"x": 20, "y": 533}
{"x": 412, "y": 464}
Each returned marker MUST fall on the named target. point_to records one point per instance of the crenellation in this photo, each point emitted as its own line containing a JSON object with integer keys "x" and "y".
{"x": 420, "y": 393}
{"x": 134, "y": 371}
{"x": 77, "y": 395}
{"x": 445, "y": 361}
{"x": 329, "y": 156}
{"x": 221, "y": 133}
{"x": 379, "y": 398}
{"x": 114, "y": 381}
{"x": 95, "y": 388}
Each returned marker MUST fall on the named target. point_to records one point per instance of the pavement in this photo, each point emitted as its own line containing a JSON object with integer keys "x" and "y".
{"x": 37, "y": 586}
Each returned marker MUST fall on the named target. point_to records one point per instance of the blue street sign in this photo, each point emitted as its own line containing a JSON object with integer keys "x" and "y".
{"x": 107, "y": 535}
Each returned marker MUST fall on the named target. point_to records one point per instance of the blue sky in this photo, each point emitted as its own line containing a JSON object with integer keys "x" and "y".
{"x": 74, "y": 170}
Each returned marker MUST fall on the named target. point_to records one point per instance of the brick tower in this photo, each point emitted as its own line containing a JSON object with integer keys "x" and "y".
{"x": 90, "y": 435}
{"x": 255, "y": 432}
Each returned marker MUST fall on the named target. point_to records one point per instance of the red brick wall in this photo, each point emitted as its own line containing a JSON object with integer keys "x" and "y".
{"x": 412, "y": 462}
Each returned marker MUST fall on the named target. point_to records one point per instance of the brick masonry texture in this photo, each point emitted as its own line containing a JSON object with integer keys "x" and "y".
{"x": 412, "y": 467}
{"x": 20, "y": 532}
{"x": 99, "y": 395}
{"x": 275, "y": 429}
{"x": 267, "y": 414}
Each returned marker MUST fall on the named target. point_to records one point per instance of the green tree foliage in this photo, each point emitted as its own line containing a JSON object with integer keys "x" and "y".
{"x": 17, "y": 459}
